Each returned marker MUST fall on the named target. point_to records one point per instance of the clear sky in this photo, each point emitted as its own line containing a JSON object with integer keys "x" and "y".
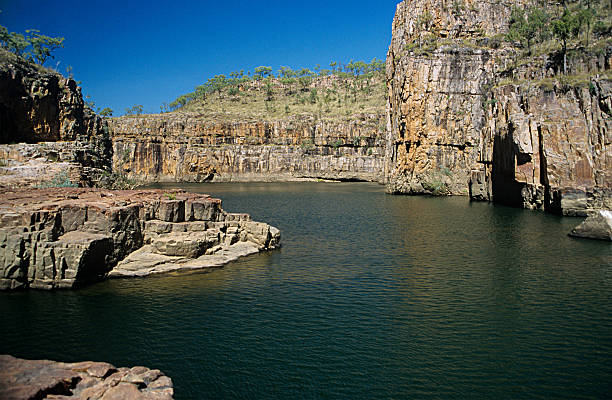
{"x": 150, "y": 52}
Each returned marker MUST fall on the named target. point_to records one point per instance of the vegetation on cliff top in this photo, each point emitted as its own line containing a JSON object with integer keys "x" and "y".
{"x": 577, "y": 26}
{"x": 33, "y": 46}
{"x": 550, "y": 43}
{"x": 340, "y": 92}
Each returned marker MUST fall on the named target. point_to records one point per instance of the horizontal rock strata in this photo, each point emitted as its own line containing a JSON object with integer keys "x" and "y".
{"x": 62, "y": 238}
{"x": 183, "y": 147}
{"x": 43, "y": 379}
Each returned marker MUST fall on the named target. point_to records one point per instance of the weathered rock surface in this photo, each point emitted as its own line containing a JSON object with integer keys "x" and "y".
{"x": 40, "y": 105}
{"x": 184, "y": 147}
{"x": 62, "y": 238}
{"x": 43, "y": 379}
{"x": 598, "y": 225}
{"x": 454, "y": 129}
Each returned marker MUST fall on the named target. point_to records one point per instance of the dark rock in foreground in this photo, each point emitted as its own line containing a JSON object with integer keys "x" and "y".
{"x": 67, "y": 237}
{"x": 598, "y": 225}
{"x": 43, "y": 379}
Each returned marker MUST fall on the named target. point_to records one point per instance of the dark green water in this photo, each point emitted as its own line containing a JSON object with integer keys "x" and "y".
{"x": 372, "y": 296}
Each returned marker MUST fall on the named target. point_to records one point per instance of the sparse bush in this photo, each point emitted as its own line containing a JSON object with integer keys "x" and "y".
{"x": 60, "y": 179}
{"x": 134, "y": 110}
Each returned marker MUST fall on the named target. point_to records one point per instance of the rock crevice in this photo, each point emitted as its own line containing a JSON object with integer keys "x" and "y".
{"x": 455, "y": 127}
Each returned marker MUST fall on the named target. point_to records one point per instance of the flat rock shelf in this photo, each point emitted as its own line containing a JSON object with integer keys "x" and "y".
{"x": 37, "y": 379}
{"x": 67, "y": 237}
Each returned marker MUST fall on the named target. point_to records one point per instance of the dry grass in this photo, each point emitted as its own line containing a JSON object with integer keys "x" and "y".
{"x": 326, "y": 98}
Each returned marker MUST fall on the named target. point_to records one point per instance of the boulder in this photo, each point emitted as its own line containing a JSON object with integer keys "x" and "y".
{"x": 598, "y": 225}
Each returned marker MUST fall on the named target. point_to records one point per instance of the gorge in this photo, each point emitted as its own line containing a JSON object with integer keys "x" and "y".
{"x": 372, "y": 295}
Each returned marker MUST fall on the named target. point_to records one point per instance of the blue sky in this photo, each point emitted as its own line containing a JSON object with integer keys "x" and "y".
{"x": 150, "y": 52}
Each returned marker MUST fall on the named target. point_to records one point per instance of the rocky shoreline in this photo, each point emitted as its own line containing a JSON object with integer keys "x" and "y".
{"x": 68, "y": 237}
{"x": 43, "y": 379}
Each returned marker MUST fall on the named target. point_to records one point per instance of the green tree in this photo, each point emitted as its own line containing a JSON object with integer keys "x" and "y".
{"x": 106, "y": 112}
{"x": 527, "y": 27}
{"x": 42, "y": 46}
{"x": 134, "y": 110}
{"x": 584, "y": 19}
{"x": 564, "y": 28}
{"x": 16, "y": 43}
{"x": 262, "y": 72}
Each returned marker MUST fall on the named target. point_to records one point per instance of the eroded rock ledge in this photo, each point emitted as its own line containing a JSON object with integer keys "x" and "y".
{"x": 43, "y": 379}
{"x": 67, "y": 237}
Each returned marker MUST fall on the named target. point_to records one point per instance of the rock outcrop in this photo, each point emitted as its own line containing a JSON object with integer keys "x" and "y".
{"x": 182, "y": 147}
{"x": 64, "y": 238}
{"x": 43, "y": 379}
{"x": 598, "y": 225}
{"x": 456, "y": 127}
{"x": 38, "y": 105}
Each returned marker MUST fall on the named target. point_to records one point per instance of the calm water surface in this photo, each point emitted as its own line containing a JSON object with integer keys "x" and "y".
{"x": 372, "y": 296}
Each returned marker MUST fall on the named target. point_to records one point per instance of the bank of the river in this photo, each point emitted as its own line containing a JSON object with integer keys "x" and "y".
{"x": 371, "y": 296}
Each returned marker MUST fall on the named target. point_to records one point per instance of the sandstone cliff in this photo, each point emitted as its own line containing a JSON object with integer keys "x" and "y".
{"x": 186, "y": 147}
{"x": 67, "y": 237}
{"x": 38, "y": 105}
{"x": 464, "y": 118}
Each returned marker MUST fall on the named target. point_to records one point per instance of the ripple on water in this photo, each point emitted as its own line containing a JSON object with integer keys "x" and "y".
{"x": 371, "y": 296}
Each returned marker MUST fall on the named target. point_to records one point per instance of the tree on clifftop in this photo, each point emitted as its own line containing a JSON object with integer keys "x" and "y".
{"x": 33, "y": 47}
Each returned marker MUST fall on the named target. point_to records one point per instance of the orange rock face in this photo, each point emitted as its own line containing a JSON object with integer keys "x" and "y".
{"x": 184, "y": 147}
{"x": 456, "y": 128}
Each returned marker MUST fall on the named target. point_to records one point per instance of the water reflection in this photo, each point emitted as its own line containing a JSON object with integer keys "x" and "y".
{"x": 371, "y": 296}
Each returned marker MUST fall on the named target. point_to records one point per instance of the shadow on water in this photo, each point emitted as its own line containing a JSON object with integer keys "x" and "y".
{"x": 371, "y": 296}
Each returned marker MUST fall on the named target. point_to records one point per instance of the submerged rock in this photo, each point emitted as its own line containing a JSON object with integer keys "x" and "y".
{"x": 68, "y": 237}
{"x": 598, "y": 225}
{"x": 43, "y": 379}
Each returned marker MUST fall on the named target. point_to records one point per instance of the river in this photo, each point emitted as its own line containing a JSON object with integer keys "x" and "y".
{"x": 371, "y": 296}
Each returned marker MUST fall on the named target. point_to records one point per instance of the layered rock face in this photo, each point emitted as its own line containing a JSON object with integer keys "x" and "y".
{"x": 182, "y": 147}
{"x": 38, "y": 105}
{"x": 548, "y": 149}
{"x": 455, "y": 128}
{"x": 62, "y": 238}
{"x": 43, "y": 379}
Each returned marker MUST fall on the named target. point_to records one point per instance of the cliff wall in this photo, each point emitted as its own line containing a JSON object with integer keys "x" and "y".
{"x": 456, "y": 126}
{"x": 43, "y": 118}
{"x": 184, "y": 147}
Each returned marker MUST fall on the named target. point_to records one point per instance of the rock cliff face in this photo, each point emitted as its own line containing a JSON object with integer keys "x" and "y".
{"x": 39, "y": 105}
{"x": 43, "y": 379}
{"x": 67, "y": 237}
{"x": 454, "y": 127}
{"x": 183, "y": 147}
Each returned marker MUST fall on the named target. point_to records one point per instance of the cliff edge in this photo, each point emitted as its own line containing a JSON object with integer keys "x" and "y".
{"x": 46, "y": 130}
{"x": 470, "y": 114}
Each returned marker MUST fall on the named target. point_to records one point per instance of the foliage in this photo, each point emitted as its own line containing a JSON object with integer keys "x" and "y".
{"x": 343, "y": 89}
{"x": 33, "y": 46}
{"x": 134, "y": 110}
{"x": 526, "y": 27}
{"x": 115, "y": 180}
{"x": 106, "y": 112}
{"x": 170, "y": 196}
{"x": 60, "y": 179}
